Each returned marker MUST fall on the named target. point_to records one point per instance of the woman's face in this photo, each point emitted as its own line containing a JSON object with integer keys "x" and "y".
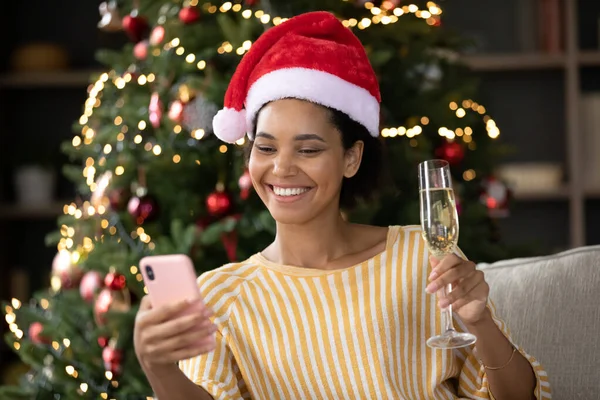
{"x": 298, "y": 162}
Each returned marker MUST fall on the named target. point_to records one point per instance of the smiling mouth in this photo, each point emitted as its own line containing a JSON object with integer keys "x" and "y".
{"x": 288, "y": 192}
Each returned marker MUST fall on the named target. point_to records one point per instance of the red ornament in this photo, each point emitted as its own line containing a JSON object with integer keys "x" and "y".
{"x": 102, "y": 341}
{"x": 115, "y": 281}
{"x": 118, "y": 198}
{"x": 218, "y": 203}
{"x": 189, "y": 15}
{"x": 245, "y": 183}
{"x": 155, "y": 110}
{"x": 157, "y": 35}
{"x": 142, "y": 209}
{"x": 135, "y": 26}
{"x": 230, "y": 241}
{"x": 140, "y": 50}
{"x": 112, "y": 359}
{"x": 496, "y": 197}
{"x": 176, "y": 111}
{"x": 251, "y": 3}
{"x": 90, "y": 284}
{"x": 35, "y": 334}
{"x": 452, "y": 152}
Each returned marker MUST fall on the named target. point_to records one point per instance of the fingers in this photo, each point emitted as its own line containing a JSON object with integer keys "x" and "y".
{"x": 145, "y": 304}
{"x": 460, "y": 290}
{"x": 166, "y": 313}
{"x": 199, "y": 322}
{"x": 193, "y": 338}
{"x": 202, "y": 347}
{"x": 449, "y": 271}
{"x": 445, "y": 264}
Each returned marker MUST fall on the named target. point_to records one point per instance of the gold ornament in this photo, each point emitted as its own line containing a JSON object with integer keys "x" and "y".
{"x": 65, "y": 272}
{"x": 99, "y": 195}
{"x": 110, "y": 22}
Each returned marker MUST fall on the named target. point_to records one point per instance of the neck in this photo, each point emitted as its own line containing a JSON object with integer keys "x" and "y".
{"x": 311, "y": 245}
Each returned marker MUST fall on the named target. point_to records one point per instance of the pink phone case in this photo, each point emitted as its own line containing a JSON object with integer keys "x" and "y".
{"x": 169, "y": 279}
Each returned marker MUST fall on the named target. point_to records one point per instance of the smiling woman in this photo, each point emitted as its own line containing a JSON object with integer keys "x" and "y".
{"x": 328, "y": 127}
{"x": 330, "y": 309}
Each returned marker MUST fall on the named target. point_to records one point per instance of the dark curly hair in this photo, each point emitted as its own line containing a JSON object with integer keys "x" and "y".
{"x": 365, "y": 184}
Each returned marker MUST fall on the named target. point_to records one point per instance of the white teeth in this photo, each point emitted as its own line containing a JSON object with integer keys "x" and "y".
{"x": 288, "y": 191}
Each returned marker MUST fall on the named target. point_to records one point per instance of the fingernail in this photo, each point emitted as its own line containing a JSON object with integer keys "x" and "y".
{"x": 443, "y": 303}
{"x": 433, "y": 275}
{"x": 431, "y": 288}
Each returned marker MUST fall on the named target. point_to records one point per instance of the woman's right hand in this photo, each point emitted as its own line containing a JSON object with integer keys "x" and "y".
{"x": 163, "y": 336}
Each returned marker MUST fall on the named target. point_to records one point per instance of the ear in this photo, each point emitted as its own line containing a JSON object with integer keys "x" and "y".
{"x": 352, "y": 158}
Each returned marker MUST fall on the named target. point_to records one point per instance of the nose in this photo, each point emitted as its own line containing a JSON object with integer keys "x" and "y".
{"x": 284, "y": 165}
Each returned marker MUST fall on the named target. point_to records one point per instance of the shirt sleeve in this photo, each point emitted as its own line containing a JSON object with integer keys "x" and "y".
{"x": 473, "y": 383}
{"x": 216, "y": 372}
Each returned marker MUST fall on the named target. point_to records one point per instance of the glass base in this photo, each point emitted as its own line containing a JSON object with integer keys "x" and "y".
{"x": 451, "y": 340}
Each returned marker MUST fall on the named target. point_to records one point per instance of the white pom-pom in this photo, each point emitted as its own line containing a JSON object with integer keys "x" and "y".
{"x": 229, "y": 125}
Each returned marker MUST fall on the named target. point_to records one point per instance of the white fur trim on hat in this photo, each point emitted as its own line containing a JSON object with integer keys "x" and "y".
{"x": 229, "y": 125}
{"x": 315, "y": 86}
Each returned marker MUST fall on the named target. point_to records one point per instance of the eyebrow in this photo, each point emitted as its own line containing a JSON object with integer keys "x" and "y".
{"x": 301, "y": 137}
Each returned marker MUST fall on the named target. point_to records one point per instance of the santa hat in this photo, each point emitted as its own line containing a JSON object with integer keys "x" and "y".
{"x": 311, "y": 57}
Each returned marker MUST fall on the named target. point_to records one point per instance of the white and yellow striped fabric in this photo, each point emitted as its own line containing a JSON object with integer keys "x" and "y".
{"x": 357, "y": 333}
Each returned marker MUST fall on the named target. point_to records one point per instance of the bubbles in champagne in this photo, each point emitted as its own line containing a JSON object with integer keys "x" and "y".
{"x": 439, "y": 220}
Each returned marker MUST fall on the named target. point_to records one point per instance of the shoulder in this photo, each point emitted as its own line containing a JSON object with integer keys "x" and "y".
{"x": 406, "y": 234}
{"x": 220, "y": 286}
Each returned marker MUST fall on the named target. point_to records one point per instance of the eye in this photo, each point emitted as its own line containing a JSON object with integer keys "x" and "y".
{"x": 310, "y": 151}
{"x": 265, "y": 149}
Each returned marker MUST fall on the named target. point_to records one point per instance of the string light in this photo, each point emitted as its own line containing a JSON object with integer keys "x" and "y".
{"x": 388, "y": 13}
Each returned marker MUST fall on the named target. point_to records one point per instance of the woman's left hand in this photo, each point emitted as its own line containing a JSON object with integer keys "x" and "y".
{"x": 470, "y": 291}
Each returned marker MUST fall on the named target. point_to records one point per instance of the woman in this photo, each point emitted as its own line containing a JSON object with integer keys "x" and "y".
{"x": 330, "y": 309}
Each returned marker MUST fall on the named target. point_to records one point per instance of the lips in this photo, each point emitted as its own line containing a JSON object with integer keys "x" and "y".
{"x": 289, "y": 193}
{"x": 279, "y": 191}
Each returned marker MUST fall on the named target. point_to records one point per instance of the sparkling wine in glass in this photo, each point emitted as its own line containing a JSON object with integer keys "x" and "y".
{"x": 439, "y": 224}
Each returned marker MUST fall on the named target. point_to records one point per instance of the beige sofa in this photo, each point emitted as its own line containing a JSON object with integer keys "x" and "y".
{"x": 552, "y": 307}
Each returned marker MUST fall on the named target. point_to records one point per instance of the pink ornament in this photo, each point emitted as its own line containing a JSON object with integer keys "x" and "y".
{"x": 91, "y": 283}
{"x": 155, "y": 109}
{"x": 35, "y": 334}
{"x": 113, "y": 359}
{"x": 140, "y": 50}
{"x": 496, "y": 196}
{"x": 390, "y": 4}
{"x": 189, "y": 15}
{"x": 157, "y": 35}
{"x": 245, "y": 183}
{"x": 176, "y": 111}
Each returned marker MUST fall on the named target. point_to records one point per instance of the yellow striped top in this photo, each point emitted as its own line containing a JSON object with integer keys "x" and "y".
{"x": 288, "y": 332}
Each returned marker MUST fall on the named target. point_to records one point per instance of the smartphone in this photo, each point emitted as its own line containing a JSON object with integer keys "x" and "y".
{"x": 169, "y": 279}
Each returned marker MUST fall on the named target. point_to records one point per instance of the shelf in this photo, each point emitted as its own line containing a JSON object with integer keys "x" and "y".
{"x": 79, "y": 78}
{"x": 20, "y": 212}
{"x": 549, "y": 195}
{"x": 589, "y": 58}
{"x": 592, "y": 194}
{"x": 515, "y": 61}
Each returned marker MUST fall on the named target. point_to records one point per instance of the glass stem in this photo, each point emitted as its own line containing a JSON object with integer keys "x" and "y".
{"x": 447, "y": 312}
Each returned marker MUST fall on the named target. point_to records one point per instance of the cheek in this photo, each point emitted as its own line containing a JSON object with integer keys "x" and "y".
{"x": 327, "y": 172}
{"x": 256, "y": 171}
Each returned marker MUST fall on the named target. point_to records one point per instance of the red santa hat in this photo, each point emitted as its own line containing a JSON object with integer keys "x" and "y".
{"x": 311, "y": 57}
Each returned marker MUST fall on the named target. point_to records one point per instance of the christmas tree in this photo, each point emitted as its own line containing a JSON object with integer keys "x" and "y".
{"x": 152, "y": 179}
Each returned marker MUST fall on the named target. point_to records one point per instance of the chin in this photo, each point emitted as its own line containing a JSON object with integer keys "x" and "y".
{"x": 289, "y": 217}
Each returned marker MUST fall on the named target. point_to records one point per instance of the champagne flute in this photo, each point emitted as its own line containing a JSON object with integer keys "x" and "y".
{"x": 439, "y": 224}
